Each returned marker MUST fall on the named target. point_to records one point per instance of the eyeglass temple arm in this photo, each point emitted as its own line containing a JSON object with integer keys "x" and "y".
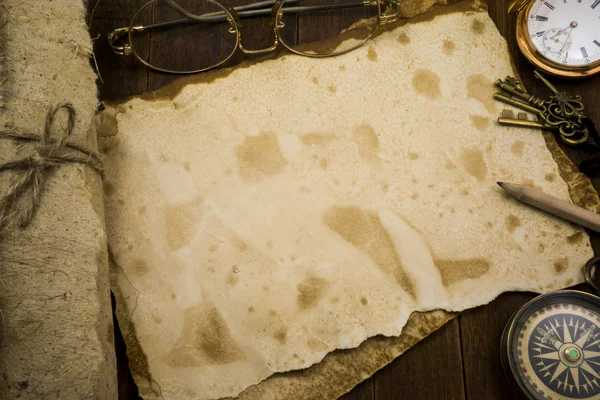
{"x": 221, "y": 16}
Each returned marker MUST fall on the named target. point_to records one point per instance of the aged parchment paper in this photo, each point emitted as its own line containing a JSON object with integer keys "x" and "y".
{"x": 216, "y": 272}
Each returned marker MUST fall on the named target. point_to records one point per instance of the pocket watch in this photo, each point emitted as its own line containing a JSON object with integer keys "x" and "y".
{"x": 561, "y": 37}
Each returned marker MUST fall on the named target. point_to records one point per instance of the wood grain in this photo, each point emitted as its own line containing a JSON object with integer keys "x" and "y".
{"x": 121, "y": 76}
{"x": 461, "y": 360}
{"x": 481, "y": 330}
{"x": 364, "y": 391}
{"x": 432, "y": 369}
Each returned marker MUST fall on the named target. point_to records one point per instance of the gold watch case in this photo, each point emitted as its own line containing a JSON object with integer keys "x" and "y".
{"x": 522, "y": 8}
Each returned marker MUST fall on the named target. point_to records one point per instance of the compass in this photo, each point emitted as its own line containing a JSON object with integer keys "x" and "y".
{"x": 551, "y": 347}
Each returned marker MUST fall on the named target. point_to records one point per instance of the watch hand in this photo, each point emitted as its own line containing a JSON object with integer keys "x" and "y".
{"x": 561, "y": 31}
{"x": 573, "y": 24}
{"x": 566, "y": 41}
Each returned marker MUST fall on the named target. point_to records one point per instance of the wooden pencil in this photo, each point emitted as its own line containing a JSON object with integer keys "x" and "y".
{"x": 553, "y": 205}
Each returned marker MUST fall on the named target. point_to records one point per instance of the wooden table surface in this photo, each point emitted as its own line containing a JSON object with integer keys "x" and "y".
{"x": 461, "y": 360}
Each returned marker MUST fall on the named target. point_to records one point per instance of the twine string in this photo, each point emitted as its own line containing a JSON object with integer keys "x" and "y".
{"x": 19, "y": 203}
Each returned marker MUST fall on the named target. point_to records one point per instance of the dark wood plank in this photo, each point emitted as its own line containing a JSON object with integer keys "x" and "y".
{"x": 364, "y": 391}
{"x": 481, "y": 329}
{"x": 432, "y": 369}
{"x": 122, "y": 76}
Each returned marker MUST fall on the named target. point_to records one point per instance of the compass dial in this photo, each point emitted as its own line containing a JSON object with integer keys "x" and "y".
{"x": 566, "y": 32}
{"x": 553, "y": 347}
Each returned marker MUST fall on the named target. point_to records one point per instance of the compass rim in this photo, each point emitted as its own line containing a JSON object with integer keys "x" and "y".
{"x": 517, "y": 381}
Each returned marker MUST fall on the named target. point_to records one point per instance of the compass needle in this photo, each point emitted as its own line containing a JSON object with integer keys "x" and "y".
{"x": 566, "y": 335}
{"x": 581, "y": 341}
{"x": 549, "y": 356}
{"x": 547, "y": 367}
{"x": 559, "y": 370}
{"x": 590, "y": 354}
{"x": 575, "y": 376}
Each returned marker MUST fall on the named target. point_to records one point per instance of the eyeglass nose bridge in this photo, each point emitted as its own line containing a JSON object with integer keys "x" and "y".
{"x": 275, "y": 21}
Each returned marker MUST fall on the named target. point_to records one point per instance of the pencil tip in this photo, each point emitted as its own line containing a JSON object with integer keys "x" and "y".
{"x": 500, "y": 183}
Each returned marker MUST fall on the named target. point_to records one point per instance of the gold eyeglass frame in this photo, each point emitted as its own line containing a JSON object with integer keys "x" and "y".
{"x": 391, "y": 13}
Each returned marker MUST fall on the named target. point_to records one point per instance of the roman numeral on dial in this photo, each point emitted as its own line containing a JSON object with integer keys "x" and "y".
{"x": 596, "y": 4}
{"x": 541, "y": 18}
{"x": 550, "y": 6}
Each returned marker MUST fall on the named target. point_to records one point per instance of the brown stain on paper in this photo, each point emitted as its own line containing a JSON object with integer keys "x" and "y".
{"x": 368, "y": 144}
{"x": 317, "y": 138}
{"x": 541, "y": 247}
{"x": 456, "y": 271}
{"x": 481, "y": 88}
{"x": 427, "y": 84}
{"x": 474, "y": 163}
{"x": 477, "y": 27}
{"x": 364, "y": 230}
{"x": 181, "y": 222}
{"x": 512, "y": 222}
{"x": 517, "y": 147}
{"x": 323, "y": 164}
{"x": 260, "y": 156}
{"x": 403, "y": 39}
{"x": 575, "y": 238}
{"x": 232, "y": 280}
{"x": 448, "y": 47}
{"x": 281, "y": 335}
{"x": 372, "y": 54}
{"x": 139, "y": 267}
{"x": 310, "y": 292}
{"x": 560, "y": 266}
{"x": 530, "y": 183}
{"x": 550, "y": 177}
{"x": 481, "y": 123}
{"x": 204, "y": 339}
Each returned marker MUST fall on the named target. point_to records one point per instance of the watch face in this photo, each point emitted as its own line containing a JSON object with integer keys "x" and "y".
{"x": 566, "y": 32}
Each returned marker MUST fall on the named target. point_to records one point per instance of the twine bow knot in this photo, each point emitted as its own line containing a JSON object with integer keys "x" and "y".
{"x": 15, "y": 208}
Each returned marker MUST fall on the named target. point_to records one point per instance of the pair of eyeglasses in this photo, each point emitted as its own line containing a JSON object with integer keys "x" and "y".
{"x": 160, "y": 29}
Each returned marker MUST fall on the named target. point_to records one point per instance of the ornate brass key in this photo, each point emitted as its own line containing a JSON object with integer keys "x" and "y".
{"x": 561, "y": 113}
